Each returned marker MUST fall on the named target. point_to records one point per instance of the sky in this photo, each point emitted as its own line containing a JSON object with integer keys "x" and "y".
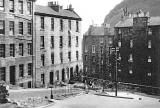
{"x": 91, "y": 11}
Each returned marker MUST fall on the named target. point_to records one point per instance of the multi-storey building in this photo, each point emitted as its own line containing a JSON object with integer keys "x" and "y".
{"x": 138, "y": 40}
{"x": 58, "y": 44}
{"x": 96, "y": 44}
{"x": 16, "y": 42}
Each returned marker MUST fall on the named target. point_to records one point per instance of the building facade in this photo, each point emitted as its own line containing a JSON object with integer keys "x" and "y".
{"x": 16, "y": 42}
{"x": 58, "y": 44}
{"x": 96, "y": 44}
{"x": 138, "y": 40}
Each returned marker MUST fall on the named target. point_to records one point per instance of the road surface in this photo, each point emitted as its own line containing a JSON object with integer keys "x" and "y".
{"x": 94, "y": 101}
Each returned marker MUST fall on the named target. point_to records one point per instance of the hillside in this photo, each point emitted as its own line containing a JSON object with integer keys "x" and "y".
{"x": 153, "y": 6}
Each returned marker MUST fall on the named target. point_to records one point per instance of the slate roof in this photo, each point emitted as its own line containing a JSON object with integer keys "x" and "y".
{"x": 153, "y": 21}
{"x": 96, "y": 30}
{"x": 62, "y": 13}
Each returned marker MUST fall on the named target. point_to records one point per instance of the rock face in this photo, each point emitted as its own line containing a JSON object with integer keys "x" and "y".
{"x": 152, "y": 6}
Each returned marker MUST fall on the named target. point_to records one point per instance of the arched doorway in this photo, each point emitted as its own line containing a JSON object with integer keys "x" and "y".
{"x": 63, "y": 75}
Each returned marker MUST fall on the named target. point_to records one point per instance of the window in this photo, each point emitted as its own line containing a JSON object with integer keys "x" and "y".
{"x": 11, "y": 28}
{"x": 110, "y": 40}
{"x": 93, "y": 59}
{"x": 93, "y": 49}
{"x": 29, "y": 68}
{"x": 21, "y": 49}
{"x": 61, "y": 57}
{"x": 12, "y": 50}
{"x": 69, "y": 39}
{"x": 130, "y": 71}
{"x": 101, "y": 49}
{"x": 42, "y": 42}
{"x": 42, "y": 59}
{"x": 42, "y": 79}
{"x": 52, "y": 58}
{"x": 119, "y": 31}
{"x": 77, "y": 26}
{"x": 29, "y": 28}
{"x": 42, "y": 22}
{"x": 1, "y": 3}
{"x": 51, "y": 77}
{"x": 57, "y": 75}
{"x": 86, "y": 48}
{"x": 119, "y": 44}
{"x": 101, "y": 40}
{"x": 52, "y": 41}
{"x": 29, "y": 8}
{"x": 29, "y": 48}
{"x": 2, "y": 73}
{"x": 150, "y": 31}
{"x": 21, "y": 70}
{"x": 149, "y": 59}
{"x": 76, "y": 41}
{"x": 61, "y": 24}
{"x": 61, "y": 41}
{"x": 130, "y": 58}
{"x": 149, "y": 44}
{"x": 2, "y": 30}
{"x": 85, "y": 57}
{"x": 69, "y": 24}
{"x": 11, "y": 5}
{"x": 2, "y": 50}
{"x": 20, "y": 6}
{"x": 21, "y": 28}
{"x": 131, "y": 43}
{"x": 69, "y": 56}
{"x": 77, "y": 55}
{"x": 52, "y": 24}
{"x": 149, "y": 74}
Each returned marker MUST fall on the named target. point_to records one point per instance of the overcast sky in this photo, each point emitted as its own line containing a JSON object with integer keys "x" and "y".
{"x": 91, "y": 11}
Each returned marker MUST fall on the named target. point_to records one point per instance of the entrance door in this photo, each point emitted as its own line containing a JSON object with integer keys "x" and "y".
{"x": 63, "y": 75}
{"x": 12, "y": 75}
{"x": 51, "y": 77}
{"x": 71, "y": 73}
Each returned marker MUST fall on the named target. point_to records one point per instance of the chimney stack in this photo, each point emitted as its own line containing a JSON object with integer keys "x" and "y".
{"x": 70, "y": 8}
{"x": 55, "y": 6}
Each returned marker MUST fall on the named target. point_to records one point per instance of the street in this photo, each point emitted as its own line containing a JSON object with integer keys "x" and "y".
{"x": 94, "y": 101}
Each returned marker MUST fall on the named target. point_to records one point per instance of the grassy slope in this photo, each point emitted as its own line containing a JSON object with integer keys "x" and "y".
{"x": 153, "y": 6}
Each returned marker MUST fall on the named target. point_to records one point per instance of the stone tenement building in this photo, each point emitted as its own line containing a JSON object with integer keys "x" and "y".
{"x": 96, "y": 43}
{"x": 16, "y": 42}
{"x": 138, "y": 39}
{"x": 58, "y": 44}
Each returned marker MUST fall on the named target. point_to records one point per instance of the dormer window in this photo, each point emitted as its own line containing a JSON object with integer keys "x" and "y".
{"x": 149, "y": 44}
{"x": 149, "y": 59}
{"x": 130, "y": 58}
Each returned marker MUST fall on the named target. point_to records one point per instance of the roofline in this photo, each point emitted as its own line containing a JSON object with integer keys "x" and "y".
{"x": 57, "y": 16}
{"x": 99, "y": 35}
{"x": 132, "y": 26}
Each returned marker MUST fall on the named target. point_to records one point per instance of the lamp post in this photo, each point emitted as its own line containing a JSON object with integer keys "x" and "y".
{"x": 116, "y": 49}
